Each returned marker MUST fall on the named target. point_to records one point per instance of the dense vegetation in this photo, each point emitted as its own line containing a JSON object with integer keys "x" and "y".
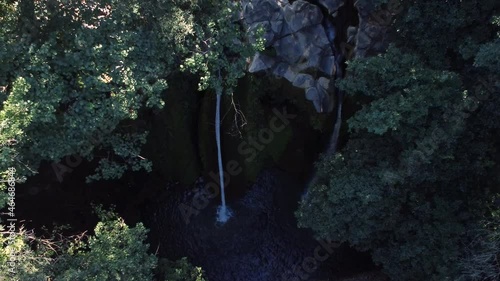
{"x": 79, "y": 74}
{"x": 416, "y": 184}
{"x": 113, "y": 252}
{"x": 75, "y": 77}
{"x": 418, "y": 178}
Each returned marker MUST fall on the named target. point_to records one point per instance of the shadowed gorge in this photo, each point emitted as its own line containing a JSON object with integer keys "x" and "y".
{"x": 252, "y": 140}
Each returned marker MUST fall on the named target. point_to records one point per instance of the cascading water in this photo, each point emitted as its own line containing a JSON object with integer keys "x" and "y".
{"x": 331, "y": 34}
{"x": 223, "y": 213}
{"x": 332, "y": 147}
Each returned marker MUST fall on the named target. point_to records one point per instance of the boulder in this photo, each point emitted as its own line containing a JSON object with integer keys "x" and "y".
{"x": 259, "y": 10}
{"x": 290, "y": 74}
{"x": 313, "y": 95}
{"x": 324, "y": 83}
{"x": 331, "y": 5}
{"x": 288, "y": 49}
{"x": 261, "y": 62}
{"x": 277, "y": 26}
{"x": 302, "y": 14}
{"x": 302, "y": 44}
{"x": 303, "y": 81}
{"x": 280, "y": 69}
{"x": 314, "y": 35}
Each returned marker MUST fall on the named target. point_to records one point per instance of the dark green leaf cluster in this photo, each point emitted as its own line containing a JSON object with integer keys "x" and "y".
{"x": 181, "y": 270}
{"x": 80, "y": 71}
{"x": 218, "y": 32}
{"x": 115, "y": 252}
{"x": 420, "y": 167}
{"x": 75, "y": 76}
{"x": 112, "y": 253}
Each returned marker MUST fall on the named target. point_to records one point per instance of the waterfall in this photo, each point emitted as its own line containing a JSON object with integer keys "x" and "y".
{"x": 332, "y": 147}
{"x": 223, "y": 214}
{"x": 333, "y": 143}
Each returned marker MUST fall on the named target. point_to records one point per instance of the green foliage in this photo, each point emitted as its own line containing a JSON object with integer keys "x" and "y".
{"x": 30, "y": 265}
{"x": 81, "y": 71}
{"x": 114, "y": 252}
{"x": 418, "y": 169}
{"x": 76, "y": 74}
{"x": 441, "y": 31}
{"x": 488, "y": 54}
{"x": 216, "y": 47}
{"x": 403, "y": 92}
{"x": 181, "y": 270}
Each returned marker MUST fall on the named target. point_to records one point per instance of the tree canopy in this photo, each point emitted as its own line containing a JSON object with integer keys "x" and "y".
{"x": 76, "y": 77}
{"x": 77, "y": 74}
{"x": 419, "y": 168}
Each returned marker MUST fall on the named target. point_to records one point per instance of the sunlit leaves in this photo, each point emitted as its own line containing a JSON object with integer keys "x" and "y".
{"x": 217, "y": 48}
{"x": 84, "y": 68}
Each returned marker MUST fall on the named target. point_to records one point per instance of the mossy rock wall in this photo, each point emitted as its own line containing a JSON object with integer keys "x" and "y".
{"x": 182, "y": 135}
{"x": 243, "y": 115}
{"x": 245, "y": 135}
{"x": 173, "y": 140}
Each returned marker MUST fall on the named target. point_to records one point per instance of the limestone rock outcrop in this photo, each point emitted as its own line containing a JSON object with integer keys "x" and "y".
{"x": 302, "y": 44}
{"x": 300, "y": 36}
